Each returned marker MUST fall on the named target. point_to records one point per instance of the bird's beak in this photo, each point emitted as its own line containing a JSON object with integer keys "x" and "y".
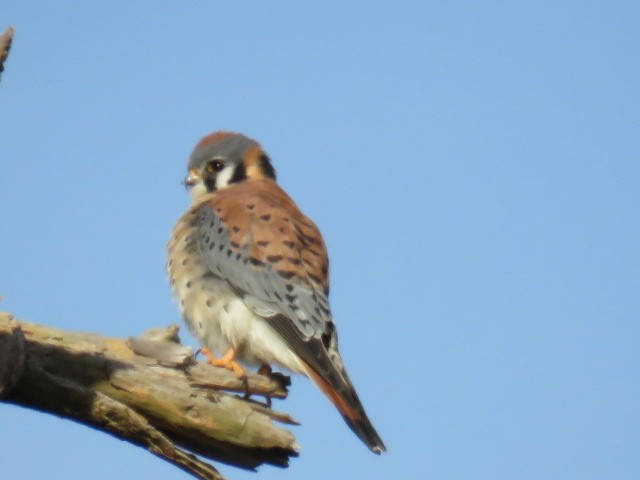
{"x": 192, "y": 178}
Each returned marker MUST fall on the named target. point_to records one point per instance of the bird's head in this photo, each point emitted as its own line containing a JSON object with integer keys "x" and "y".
{"x": 223, "y": 159}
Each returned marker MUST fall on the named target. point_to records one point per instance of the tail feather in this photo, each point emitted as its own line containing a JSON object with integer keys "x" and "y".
{"x": 340, "y": 391}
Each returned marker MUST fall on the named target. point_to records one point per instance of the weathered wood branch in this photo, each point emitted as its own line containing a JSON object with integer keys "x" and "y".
{"x": 5, "y": 46}
{"x": 147, "y": 390}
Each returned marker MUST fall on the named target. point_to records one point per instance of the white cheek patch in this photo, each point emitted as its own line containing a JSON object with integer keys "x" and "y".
{"x": 197, "y": 190}
{"x": 224, "y": 177}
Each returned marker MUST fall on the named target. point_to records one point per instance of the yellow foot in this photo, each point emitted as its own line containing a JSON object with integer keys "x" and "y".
{"x": 207, "y": 353}
{"x": 227, "y": 361}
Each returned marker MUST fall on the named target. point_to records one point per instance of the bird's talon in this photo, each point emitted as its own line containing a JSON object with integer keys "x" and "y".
{"x": 245, "y": 383}
{"x": 211, "y": 360}
{"x": 227, "y": 361}
{"x": 239, "y": 371}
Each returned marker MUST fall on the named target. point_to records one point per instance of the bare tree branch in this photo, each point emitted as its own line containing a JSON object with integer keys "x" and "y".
{"x": 5, "y": 46}
{"x": 148, "y": 391}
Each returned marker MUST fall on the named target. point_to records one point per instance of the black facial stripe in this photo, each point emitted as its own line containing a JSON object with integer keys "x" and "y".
{"x": 266, "y": 167}
{"x": 239, "y": 174}
{"x": 210, "y": 183}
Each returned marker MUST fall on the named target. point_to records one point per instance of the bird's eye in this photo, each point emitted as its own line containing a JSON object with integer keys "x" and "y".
{"x": 215, "y": 166}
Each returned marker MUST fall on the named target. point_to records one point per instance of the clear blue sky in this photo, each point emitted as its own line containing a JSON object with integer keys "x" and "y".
{"x": 475, "y": 170}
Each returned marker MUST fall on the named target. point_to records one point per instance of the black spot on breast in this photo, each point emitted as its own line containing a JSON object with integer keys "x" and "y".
{"x": 219, "y": 210}
{"x": 235, "y": 244}
{"x": 229, "y": 252}
{"x": 289, "y": 244}
{"x": 235, "y": 229}
{"x": 238, "y": 255}
{"x": 286, "y": 274}
{"x": 262, "y": 243}
{"x": 274, "y": 258}
{"x": 188, "y": 284}
{"x": 209, "y": 302}
{"x": 251, "y": 206}
{"x": 277, "y": 295}
{"x": 185, "y": 261}
{"x": 221, "y": 247}
{"x": 295, "y": 261}
{"x": 289, "y": 287}
{"x": 314, "y": 278}
{"x": 290, "y": 298}
{"x": 220, "y": 230}
{"x": 265, "y": 218}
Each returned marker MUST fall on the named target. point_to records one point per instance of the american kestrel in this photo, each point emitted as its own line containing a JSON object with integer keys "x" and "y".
{"x": 250, "y": 272}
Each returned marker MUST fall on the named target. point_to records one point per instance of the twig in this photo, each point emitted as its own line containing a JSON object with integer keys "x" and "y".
{"x": 5, "y": 46}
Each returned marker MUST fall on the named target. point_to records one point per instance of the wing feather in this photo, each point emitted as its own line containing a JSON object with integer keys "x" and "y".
{"x": 255, "y": 237}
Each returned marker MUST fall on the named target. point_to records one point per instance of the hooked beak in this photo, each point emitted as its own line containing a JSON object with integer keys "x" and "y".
{"x": 192, "y": 178}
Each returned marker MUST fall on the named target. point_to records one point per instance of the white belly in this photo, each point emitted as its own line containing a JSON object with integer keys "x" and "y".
{"x": 217, "y": 317}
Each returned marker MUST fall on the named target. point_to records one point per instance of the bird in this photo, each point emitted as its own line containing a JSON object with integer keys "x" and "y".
{"x": 250, "y": 273}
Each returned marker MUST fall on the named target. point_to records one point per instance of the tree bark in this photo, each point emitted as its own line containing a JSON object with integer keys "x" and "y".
{"x": 148, "y": 390}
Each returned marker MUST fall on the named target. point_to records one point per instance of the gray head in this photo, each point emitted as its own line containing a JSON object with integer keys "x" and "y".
{"x": 223, "y": 159}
